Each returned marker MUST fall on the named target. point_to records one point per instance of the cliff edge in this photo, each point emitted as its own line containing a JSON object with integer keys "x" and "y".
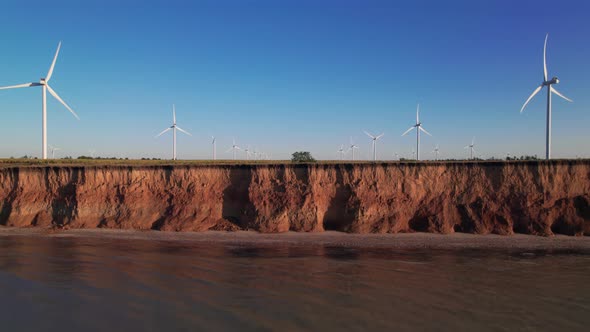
{"x": 540, "y": 198}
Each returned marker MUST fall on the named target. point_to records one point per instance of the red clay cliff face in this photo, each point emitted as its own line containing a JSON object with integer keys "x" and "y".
{"x": 540, "y": 198}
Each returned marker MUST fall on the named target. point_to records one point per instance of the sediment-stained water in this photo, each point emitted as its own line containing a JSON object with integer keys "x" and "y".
{"x": 82, "y": 283}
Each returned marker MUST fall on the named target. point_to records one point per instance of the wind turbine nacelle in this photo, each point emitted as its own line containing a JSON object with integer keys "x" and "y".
{"x": 554, "y": 80}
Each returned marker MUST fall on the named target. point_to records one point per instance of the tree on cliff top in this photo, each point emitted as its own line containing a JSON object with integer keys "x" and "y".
{"x": 302, "y": 157}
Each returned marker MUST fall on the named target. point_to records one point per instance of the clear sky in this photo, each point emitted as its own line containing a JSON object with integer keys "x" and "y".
{"x": 294, "y": 75}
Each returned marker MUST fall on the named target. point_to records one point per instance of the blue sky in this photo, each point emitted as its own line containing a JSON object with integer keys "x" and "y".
{"x": 284, "y": 76}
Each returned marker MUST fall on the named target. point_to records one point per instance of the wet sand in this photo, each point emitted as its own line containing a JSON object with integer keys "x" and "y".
{"x": 329, "y": 238}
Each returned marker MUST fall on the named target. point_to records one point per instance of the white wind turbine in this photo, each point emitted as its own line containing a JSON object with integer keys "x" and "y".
{"x": 255, "y": 153}
{"x": 471, "y": 148}
{"x": 214, "y": 148}
{"x": 234, "y": 147}
{"x": 352, "y": 147}
{"x": 436, "y": 152}
{"x": 248, "y": 152}
{"x": 341, "y": 152}
{"x": 53, "y": 149}
{"x": 374, "y": 138}
{"x": 549, "y": 84}
{"x": 418, "y": 127}
{"x": 173, "y": 127}
{"x": 43, "y": 83}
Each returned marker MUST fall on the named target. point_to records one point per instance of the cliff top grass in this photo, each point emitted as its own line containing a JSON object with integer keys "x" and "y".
{"x": 103, "y": 162}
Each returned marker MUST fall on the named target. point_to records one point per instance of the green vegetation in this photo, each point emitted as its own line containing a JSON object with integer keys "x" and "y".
{"x": 523, "y": 158}
{"x": 302, "y": 157}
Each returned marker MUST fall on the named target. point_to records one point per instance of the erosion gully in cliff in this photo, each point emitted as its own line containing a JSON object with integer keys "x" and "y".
{"x": 541, "y": 198}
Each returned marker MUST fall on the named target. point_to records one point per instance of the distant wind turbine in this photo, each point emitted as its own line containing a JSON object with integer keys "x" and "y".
{"x": 352, "y": 147}
{"x": 234, "y": 147}
{"x": 43, "y": 83}
{"x": 248, "y": 152}
{"x": 418, "y": 127}
{"x": 471, "y": 148}
{"x": 53, "y": 149}
{"x": 436, "y": 152}
{"x": 550, "y": 88}
{"x": 341, "y": 152}
{"x": 174, "y": 127}
{"x": 374, "y": 138}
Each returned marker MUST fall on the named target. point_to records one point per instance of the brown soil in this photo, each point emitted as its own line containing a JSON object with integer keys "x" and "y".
{"x": 539, "y": 198}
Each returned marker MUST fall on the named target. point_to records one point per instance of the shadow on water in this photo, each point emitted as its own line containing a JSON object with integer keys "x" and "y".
{"x": 341, "y": 253}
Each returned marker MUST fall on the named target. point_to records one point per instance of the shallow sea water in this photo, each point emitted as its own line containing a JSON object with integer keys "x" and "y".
{"x": 93, "y": 284}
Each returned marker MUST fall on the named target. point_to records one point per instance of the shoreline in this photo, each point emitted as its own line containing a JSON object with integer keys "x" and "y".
{"x": 456, "y": 241}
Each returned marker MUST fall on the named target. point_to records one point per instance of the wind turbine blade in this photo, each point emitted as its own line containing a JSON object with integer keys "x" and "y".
{"x": 473, "y": 141}
{"x": 229, "y": 149}
{"x": 26, "y": 85}
{"x": 407, "y": 131}
{"x": 173, "y": 114}
{"x": 531, "y": 97}
{"x": 559, "y": 94}
{"x": 54, "y": 94}
{"x": 418, "y": 114}
{"x": 369, "y": 135}
{"x": 50, "y": 72}
{"x": 424, "y": 130}
{"x": 545, "y": 58}
{"x": 184, "y": 131}
{"x": 165, "y": 130}
{"x": 378, "y": 137}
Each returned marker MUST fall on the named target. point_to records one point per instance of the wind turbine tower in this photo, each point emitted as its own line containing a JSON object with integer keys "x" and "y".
{"x": 214, "y": 148}
{"x": 549, "y": 84}
{"x": 436, "y": 151}
{"x": 53, "y": 149}
{"x": 374, "y": 138}
{"x": 352, "y": 147}
{"x": 173, "y": 127}
{"x": 341, "y": 152}
{"x": 418, "y": 127}
{"x": 44, "y": 84}
{"x": 234, "y": 147}
{"x": 471, "y": 148}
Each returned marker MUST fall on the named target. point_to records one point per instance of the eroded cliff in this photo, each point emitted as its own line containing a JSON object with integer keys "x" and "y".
{"x": 539, "y": 198}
